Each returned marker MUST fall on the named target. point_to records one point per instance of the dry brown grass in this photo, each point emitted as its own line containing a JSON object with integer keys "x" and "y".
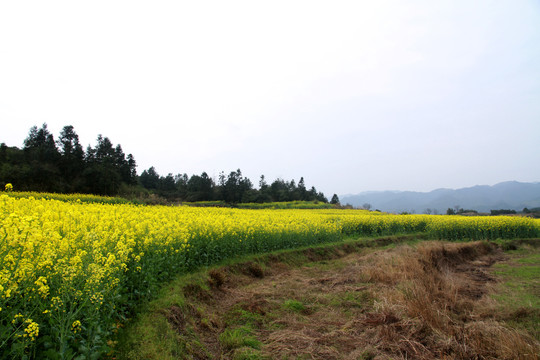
{"x": 216, "y": 278}
{"x": 434, "y": 295}
{"x": 411, "y": 302}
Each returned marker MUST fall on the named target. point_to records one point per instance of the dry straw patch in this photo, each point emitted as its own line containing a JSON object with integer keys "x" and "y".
{"x": 431, "y": 305}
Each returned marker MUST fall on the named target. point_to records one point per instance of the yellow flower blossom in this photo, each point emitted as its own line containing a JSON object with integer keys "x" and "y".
{"x": 76, "y": 326}
{"x": 31, "y": 330}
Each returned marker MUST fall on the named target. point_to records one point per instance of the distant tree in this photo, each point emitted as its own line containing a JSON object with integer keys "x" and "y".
{"x": 3, "y": 153}
{"x": 181, "y": 181}
{"x": 250, "y": 196}
{"x": 335, "y": 199}
{"x": 14, "y": 168}
{"x": 366, "y": 206}
{"x": 167, "y": 186}
{"x": 321, "y": 197}
{"x": 246, "y": 188}
{"x": 264, "y": 193}
{"x": 503, "y": 212}
{"x": 149, "y": 179}
{"x": 312, "y": 194}
{"x": 302, "y": 191}
{"x": 40, "y": 144}
{"x": 72, "y": 159}
{"x": 101, "y": 179}
{"x": 70, "y": 148}
{"x": 200, "y": 188}
{"x": 104, "y": 151}
{"x": 106, "y": 168}
{"x": 450, "y": 211}
{"x": 279, "y": 190}
{"x": 262, "y": 183}
{"x": 293, "y": 193}
{"x": 42, "y": 157}
{"x": 428, "y": 211}
{"x": 123, "y": 166}
{"x": 235, "y": 187}
{"x": 132, "y": 166}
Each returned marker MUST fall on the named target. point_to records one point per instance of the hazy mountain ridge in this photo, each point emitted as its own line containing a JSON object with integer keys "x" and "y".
{"x": 483, "y": 198}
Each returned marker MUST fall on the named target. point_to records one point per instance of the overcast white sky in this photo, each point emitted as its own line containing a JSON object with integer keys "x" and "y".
{"x": 351, "y": 95}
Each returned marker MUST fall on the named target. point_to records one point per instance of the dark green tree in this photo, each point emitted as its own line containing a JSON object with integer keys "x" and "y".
{"x": 279, "y": 190}
{"x": 167, "y": 186}
{"x": 200, "y": 188}
{"x": 102, "y": 174}
{"x": 236, "y": 187}
{"x": 149, "y": 179}
{"x": 263, "y": 194}
{"x": 13, "y": 168}
{"x": 72, "y": 158}
{"x": 181, "y": 181}
{"x": 302, "y": 191}
{"x": 42, "y": 157}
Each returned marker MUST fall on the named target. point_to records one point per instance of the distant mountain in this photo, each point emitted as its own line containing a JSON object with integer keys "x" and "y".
{"x": 483, "y": 198}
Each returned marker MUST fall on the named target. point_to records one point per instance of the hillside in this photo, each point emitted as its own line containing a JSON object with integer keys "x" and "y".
{"x": 506, "y": 195}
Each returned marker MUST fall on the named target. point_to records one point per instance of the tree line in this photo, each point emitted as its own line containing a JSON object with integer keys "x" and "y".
{"x": 63, "y": 166}
{"x": 48, "y": 165}
{"x": 231, "y": 188}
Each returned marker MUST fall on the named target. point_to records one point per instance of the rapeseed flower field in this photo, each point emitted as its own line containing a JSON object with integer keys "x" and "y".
{"x": 71, "y": 271}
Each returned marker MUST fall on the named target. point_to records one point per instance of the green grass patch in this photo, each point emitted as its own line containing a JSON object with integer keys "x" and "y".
{"x": 247, "y": 353}
{"x": 294, "y": 305}
{"x": 519, "y": 290}
{"x": 238, "y": 316}
{"x": 242, "y": 336}
{"x": 518, "y": 273}
{"x": 352, "y": 299}
{"x": 533, "y": 259}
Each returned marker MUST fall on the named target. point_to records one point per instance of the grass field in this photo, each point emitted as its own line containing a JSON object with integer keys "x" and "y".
{"x": 518, "y": 289}
{"x": 72, "y": 270}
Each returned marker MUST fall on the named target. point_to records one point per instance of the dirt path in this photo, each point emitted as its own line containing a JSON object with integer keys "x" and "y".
{"x": 423, "y": 302}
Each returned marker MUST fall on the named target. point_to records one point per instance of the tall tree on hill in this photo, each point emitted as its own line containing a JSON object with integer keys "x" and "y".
{"x": 321, "y": 197}
{"x": 132, "y": 166}
{"x": 263, "y": 194}
{"x": 200, "y": 188}
{"x": 72, "y": 158}
{"x": 312, "y": 194}
{"x": 181, "y": 181}
{"x": 149, "y": 179}
{"x": 279, "y": 190}
{"x": 302, "y": 192}
{"x": 102, "y": 175}
{"x": 236, "y": 187}
{"x": 167, "y": 186}
{"x": 293, "y": 193}
{"x": 43, "y": 158}
{"x": 125, "y": 166}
